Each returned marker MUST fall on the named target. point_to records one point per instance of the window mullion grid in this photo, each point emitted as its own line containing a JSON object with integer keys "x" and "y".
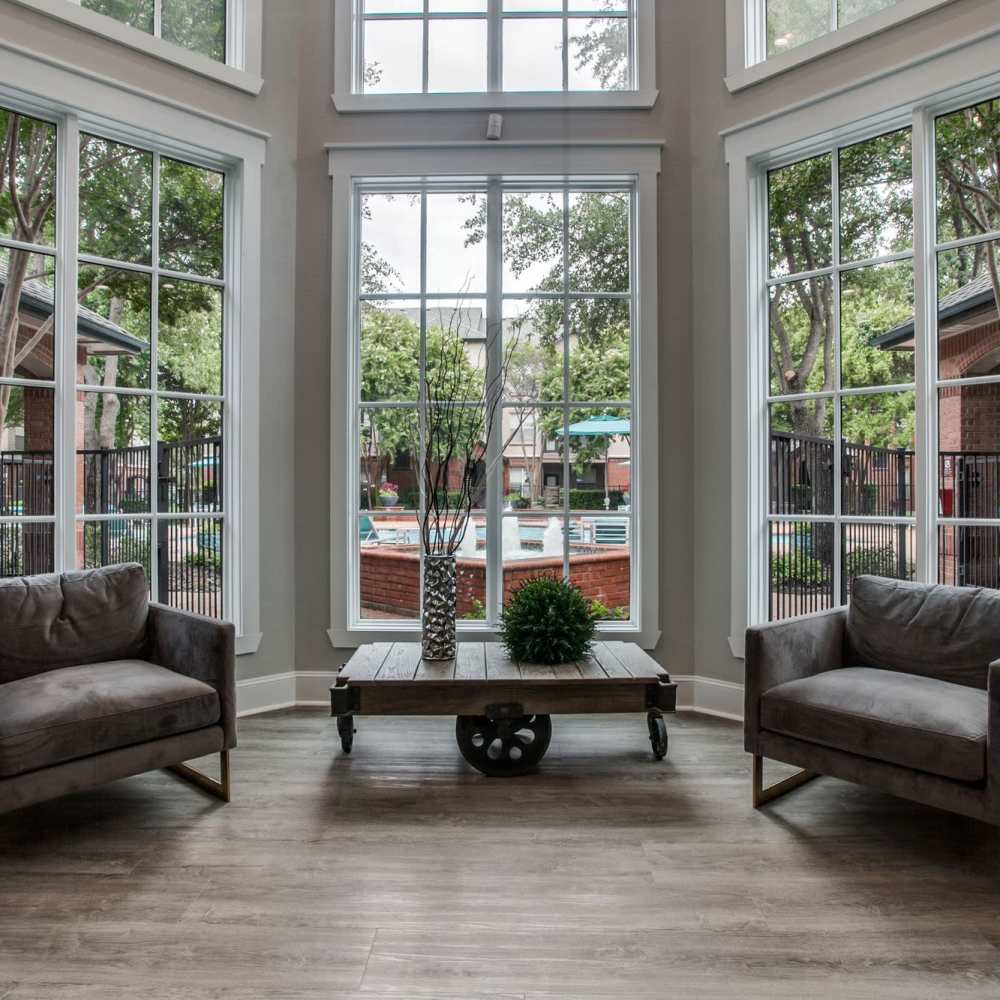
{"x": 565, "y": 46}
{"x": 423, "y": 462}
{"x": 67, "y": 244}
{"x": 925, "y": 345}
{"x": 353, "y": 449}
{"x": 567, "y": 443}
{"x": 834, "y": 15}
{"x": 157, "y": 18}
{"x": 154, "y": 382}
{"x": 494, "y": 45}
{"x": 838, "y": 433}
{"x": 426, "y": 43}
{"x": 494, "y": 365}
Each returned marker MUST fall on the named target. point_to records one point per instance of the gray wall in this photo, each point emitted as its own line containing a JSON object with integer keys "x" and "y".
{"x": 295, "y": 107}
{"x": 712, "y": 110}
{"x": 275, "y": 111}
{"x": 319, "y": 123}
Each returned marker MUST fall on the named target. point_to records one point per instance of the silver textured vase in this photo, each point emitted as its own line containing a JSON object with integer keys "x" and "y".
{"x": 440, "y": 595}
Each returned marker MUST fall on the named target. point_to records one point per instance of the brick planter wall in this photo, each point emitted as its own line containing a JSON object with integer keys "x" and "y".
{"x": 390, "y": 578}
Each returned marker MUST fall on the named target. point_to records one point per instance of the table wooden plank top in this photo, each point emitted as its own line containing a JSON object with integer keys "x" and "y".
{"x": 488, "y": 663}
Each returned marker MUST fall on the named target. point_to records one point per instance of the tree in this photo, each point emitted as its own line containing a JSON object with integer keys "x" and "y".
{"x": 27, "y": 201}
{"x": 115, "y": 199}
{"x": 968, "y": 164}
{"x": 596, "y": 371}
{"x": 602, "y": 48}
{"x": 390, "y": 372}
{"x": 876, "y": 219}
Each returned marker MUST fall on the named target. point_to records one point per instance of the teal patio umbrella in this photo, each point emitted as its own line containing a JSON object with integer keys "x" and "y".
{"x": 606, "y": 426}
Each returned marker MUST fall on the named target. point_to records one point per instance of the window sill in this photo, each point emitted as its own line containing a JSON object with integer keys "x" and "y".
{"x": 123, "y": 34}
{"x": 349, "y": 103}
{"x": 875, "y": 24}
{"x": 246, "y": 645}
{"x": 389, "y": 631}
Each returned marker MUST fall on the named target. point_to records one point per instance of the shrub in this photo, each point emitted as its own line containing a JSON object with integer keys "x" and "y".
{"x": 204, "y": 559}
{"x": 547, "y": 620}
{"x": 477, "y": 613}
{"x": 874, "y": 561}
{"x": 802, "y": 497}
{"x": 602, "y": 613}
{"x": 594, "y": 499}
{"x": 798, "y": 568}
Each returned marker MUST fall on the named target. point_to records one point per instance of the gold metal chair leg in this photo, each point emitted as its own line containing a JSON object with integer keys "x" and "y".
{"x": 762, "y": 795}
{"x": 220, "y": 789}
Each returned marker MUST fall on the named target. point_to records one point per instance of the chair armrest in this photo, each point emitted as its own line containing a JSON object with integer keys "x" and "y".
{"x": 787, "y": 650}
{"x": 993, "y": 739}
{"x": 197, "y": 647}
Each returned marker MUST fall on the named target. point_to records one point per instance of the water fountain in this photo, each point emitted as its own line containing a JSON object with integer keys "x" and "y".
{"x": 552, "y": 540}
{"x": 511, "y": 538}
{"x": 469, "y": 549}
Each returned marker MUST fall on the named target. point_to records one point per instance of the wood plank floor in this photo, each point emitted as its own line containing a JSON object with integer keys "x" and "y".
{"x": 399, "y": 872}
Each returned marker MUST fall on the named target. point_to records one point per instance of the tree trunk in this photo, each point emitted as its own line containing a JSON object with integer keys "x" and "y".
{"x": 10, "y": 301}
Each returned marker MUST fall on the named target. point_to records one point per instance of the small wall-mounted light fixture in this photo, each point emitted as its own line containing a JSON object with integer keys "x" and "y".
{"x": 494, "y": 126}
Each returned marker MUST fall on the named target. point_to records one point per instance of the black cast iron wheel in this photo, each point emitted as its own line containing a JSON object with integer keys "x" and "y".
{"x": 657, "y": 734}
{"x": 345, "y": 726}
{"x": 503, "y": 748}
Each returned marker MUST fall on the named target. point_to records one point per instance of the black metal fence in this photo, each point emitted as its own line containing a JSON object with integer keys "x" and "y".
{"x": 117, "y": 481}
{"x": 875, "y": 482}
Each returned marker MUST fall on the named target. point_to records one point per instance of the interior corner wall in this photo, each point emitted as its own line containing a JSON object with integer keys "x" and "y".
{"x": 319, "y": 123}
{"x": 275, "y": 111}
{"x": 714, "y": 109}
{"x": 296, "y": 109}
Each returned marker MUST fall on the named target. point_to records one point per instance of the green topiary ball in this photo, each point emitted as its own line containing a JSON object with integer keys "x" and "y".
{"x": 547, "y": 620}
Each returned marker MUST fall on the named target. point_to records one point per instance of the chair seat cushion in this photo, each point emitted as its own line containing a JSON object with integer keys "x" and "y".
{"x": 74, "y": 712}
{"x": 906, "y": 719}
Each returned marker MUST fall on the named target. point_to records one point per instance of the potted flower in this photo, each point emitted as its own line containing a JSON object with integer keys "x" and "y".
{"x": 388, "y": 494}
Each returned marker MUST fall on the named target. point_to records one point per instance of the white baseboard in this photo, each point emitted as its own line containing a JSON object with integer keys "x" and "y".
{"x": 312, "y": 688}
{"x": 709, "y": 696}
{"x": 265, "y": 694}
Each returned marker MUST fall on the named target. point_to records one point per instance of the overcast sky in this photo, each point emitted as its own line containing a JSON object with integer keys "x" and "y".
{"x": 393, "y": 230}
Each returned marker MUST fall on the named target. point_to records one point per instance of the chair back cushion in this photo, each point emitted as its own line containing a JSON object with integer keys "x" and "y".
{"x": 61, "y": 620}
{"x": 951, "y": 633}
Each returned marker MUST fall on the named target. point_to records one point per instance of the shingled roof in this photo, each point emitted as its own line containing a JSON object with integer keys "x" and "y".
{"x": 38, "y": 298}
{"x": 977, "y": 294}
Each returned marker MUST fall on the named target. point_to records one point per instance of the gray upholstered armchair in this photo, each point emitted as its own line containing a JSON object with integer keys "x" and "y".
{"x": 98, "y": 684}
{"x": 900, "y": 691}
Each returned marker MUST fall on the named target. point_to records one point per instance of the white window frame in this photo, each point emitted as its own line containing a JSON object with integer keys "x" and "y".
{"x": 912, "y": 97}
{"x": 347, "y": 96}
{"x": 242, "y": 68}
{"x": 78, "y": 103}
{"x": 639, "y": 160}
{"x": 748, "y": 63}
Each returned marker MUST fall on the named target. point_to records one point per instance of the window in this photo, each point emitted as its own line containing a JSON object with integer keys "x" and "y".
{"x": 770, "y": 36}
{"x": 791, "y": 23}
{"x": 116, "y": 395}
{"x": 533, "y": 52}
{"x": 220, "y": 39}
{"x": 196, "y": 25}
{"x": 857, "y": 364}
{"x": 542, "y": 270}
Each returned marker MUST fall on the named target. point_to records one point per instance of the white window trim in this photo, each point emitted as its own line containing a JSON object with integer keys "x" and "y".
{"x": 747, "y": 62}
{"x": 346, "y": 98}
{"x": 78, "y": 102}
{"x": 912, "y": 96}
{"x": 639, "y": 159}
{"x": 242, "y": 69}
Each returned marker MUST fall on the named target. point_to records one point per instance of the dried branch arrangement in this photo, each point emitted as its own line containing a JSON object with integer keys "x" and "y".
{"x": 462, "y": 415}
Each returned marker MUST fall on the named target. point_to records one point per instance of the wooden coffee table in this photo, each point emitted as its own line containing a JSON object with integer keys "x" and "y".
{"x": 504, "y": 708}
